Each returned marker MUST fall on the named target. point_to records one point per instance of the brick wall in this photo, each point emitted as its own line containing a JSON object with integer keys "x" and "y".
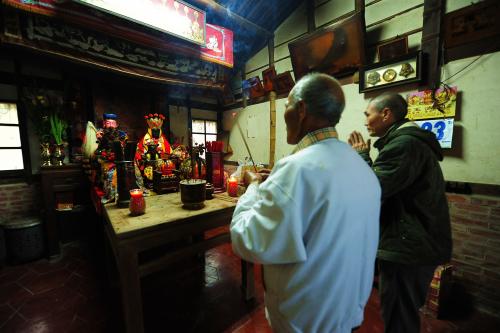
{"x": 475, "y": 222}
{"x": 19, "y": 199}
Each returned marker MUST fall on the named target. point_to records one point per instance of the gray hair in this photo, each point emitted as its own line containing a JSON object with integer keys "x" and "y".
{"x": 394, "y": 102}
{"x": 321, "y": 94}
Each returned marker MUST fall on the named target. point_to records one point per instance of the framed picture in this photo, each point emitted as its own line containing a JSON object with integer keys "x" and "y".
{"x": 256, "y": 88}
{"x": 12, "y": 24}
{"x": 337, "y": 50}
{"x": 393, "y": 72}
{"x": 472, "y": 30}
{"x": 268, "y": 75}
{"x": 283, "y": 83}
{"x": 392, "y": 49}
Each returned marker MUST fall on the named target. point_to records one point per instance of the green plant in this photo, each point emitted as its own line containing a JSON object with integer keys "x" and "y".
{"x": 45, "y": 112}
{"x": 57, "y": 127}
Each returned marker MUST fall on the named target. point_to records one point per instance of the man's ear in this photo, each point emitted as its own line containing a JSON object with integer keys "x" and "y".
{"x": 386, "y": 114}
{"x": 302, "y": 110}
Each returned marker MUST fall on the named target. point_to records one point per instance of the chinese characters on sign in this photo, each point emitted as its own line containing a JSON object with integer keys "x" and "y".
{"x": 440, "y": 104}
{"x": 422, "y": 105}
{"x": 219, "y": 46}
{"x": 174, "y": 17}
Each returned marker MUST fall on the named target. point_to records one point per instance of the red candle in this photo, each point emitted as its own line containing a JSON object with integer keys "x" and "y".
{"x": 137, "y": 204}
{"x": 232, "y": 187}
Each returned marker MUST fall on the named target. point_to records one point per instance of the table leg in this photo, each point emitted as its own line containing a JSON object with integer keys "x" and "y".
{"x": 111, "y": 269}
{"x": 130, "y": 291}
{"x": 247, "y": 279}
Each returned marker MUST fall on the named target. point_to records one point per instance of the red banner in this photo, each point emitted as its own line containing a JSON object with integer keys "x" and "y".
{"x": 219, "y": 40}
{"x": 170, "y": 16}
{"x": 219, "y": 45}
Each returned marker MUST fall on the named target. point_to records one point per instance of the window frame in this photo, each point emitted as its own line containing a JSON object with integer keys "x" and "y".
{"x": 205, "y": 128}
{"x": 23, "y": 134}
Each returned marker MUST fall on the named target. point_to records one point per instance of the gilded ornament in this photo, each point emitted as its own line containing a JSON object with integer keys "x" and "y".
{"x": 373, "y": 78}
{"x": 406, "y": 70}
{"x": 389, "y": 75}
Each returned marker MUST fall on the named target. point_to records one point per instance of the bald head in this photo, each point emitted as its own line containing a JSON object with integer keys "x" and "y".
{"x": 322, "y": 95}
{"x": 394, "y": 102}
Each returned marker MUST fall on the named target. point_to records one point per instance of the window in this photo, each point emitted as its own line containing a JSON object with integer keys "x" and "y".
{"x": 11, "y": 152}
{"x": 204, "y": 131}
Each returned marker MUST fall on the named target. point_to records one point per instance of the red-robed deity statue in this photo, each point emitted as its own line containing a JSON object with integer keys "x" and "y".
{"x": 152, "y": 148}
{"x": 154, "y": 136}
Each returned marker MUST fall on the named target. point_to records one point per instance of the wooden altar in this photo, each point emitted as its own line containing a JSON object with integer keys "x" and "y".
{"x": 165, "y": 222}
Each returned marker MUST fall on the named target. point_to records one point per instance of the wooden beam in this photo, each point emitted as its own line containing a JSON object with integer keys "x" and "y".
{"x": 431, "y": 41}
{"x": 270, "y": 51}
{"x": 311, "y": 22}
{"x": 359, "y": 5}
{"x": 223, "y": 11}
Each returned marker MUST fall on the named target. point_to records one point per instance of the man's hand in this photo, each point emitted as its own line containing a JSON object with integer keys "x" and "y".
{"x": 255, "y": 177}
{"x": 358, "y": 143}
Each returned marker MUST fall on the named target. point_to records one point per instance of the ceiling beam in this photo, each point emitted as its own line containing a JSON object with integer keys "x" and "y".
{"x": 311, "y": 22}
{"x": 223, "y": 11}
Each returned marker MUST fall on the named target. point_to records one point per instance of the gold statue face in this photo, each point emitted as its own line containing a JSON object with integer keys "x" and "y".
{"x": 148, "y": 172}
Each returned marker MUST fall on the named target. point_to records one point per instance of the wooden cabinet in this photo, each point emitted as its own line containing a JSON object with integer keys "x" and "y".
{"x": 64, "y": 193}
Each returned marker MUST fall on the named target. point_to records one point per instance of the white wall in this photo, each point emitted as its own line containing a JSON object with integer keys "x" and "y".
{"x": 474, "y": 157}
{"x": 178, "y": 123}
{"x": 179, "y": 120}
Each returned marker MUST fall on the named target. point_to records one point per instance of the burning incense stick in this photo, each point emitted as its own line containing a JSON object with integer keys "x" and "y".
{"x": 246, "y": 145}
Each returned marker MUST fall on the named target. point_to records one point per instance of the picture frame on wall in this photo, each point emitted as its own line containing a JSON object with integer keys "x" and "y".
{"x": 392, "y": 49}
{"x": 394, "y": 72}
{"x": 267, "y": 76}
{"x": 472, "y": 30}
{"x": 283, "y": 83}
{"x": 337, "y": 50}
{"x": 256, "y": 88}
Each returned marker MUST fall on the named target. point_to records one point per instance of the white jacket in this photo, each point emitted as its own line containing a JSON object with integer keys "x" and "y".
{"x": 314, "y": 225}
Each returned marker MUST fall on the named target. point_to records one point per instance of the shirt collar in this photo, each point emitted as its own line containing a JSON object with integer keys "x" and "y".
{"x": 380, "y": 143}
{"x": 314, "y": 137}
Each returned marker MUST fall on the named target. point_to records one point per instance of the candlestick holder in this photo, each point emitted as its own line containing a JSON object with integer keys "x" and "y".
{"x": 215, "y": 170}
{"x": 232, "y": 187}
{"x": 125, "y": 174}
{"x": 137, "y": 205}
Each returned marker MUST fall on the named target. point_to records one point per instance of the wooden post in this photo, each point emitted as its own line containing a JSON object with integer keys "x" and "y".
{"x": 359, "y": 6}
{"x": 311, "y": 22}
{"x": 272, "y": 109}
{"x": 272, "y": 128}
{"x": 431, "y": 41}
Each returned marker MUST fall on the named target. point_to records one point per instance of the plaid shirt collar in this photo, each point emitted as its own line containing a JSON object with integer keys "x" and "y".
{"x": 313, "y": 137}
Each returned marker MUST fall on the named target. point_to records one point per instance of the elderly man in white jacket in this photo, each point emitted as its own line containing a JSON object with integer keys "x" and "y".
{"x": 314, "y": 223}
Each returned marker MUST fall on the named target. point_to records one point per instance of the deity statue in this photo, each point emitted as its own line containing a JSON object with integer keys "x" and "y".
{"x": 104, "y": 155}
{"x": 152, "y": 149}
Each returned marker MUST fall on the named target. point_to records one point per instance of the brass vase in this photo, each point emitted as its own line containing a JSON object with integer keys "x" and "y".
{"x": 58, "y": 155}
{"x": 45, "y": 154}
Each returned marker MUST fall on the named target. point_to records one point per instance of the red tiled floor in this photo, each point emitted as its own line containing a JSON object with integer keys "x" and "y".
{"x": 13, "y": 294}
{"x": 39, "y": 283}
{"x": 71, "y": 296}
{"x": 12, "y": 274}
{"x": 6, "y": 312}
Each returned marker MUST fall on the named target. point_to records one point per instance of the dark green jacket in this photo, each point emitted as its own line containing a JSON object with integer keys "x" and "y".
{"x": 414, "y": 222}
